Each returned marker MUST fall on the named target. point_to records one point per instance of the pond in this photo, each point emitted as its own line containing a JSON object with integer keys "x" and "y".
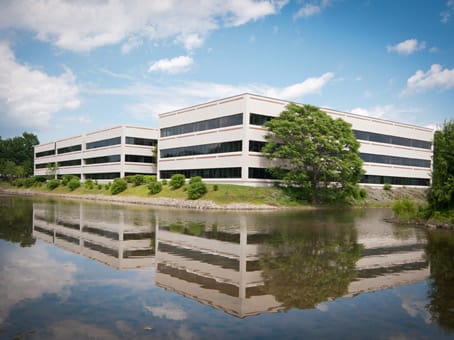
{"x": 71, "y": 269}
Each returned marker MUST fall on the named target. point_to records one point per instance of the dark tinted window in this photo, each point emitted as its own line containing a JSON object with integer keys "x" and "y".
{"x": 103, "y": 159}
{"x": 139, "y": 159}
{"x": 204, "y": 173}
{"x": 45, "y": 153}
{"x": 257, "y": 119}
{"x": 70, "y": 149}
{"x": 202, "y": 149}
{"x": 141, "y": 141}
{"x": 372, "y": 158}
{"x": 70, "y": 163}
{"x": 104, "y": 142}
{"x": 388, "y": 139}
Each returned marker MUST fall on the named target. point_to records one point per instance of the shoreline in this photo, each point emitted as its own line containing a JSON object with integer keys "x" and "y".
{"x": 156, "y": 202}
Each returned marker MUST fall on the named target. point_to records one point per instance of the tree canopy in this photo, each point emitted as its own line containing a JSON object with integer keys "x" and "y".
{"x": 16, "y": 155}
{"x": 317, "y": 155}
{"x": 441, "y": 195}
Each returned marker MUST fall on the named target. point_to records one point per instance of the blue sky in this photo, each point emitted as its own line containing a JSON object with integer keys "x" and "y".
{"x": 75, "y": 66}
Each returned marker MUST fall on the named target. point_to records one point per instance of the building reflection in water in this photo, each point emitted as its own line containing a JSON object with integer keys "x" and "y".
{"x": 243, "y": 264}
{"x": 119, "y": 238}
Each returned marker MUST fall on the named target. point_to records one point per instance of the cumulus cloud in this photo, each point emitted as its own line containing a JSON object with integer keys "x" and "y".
{"x": 376, "y": 111}
{"x": 28, "y": 96}
{"x": 448, "y": 12}
{"x": 84, "y": 25}
{"x": 173, "y": 66}
{"x": 310, "y": 9}
{"x": 436, "y": 77}
{"x": 407, "y": 47}
{"x": 295, "y": 91}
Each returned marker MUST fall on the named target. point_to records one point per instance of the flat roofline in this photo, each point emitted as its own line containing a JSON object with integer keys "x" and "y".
{"x": 97, "y": 131}
{"x": 283, "y": 101}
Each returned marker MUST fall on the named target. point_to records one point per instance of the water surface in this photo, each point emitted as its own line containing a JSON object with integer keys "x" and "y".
{"x": 86, "y": 270}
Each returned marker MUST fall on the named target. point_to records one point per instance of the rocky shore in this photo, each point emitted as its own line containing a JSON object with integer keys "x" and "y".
{"x": 159, "y": 202}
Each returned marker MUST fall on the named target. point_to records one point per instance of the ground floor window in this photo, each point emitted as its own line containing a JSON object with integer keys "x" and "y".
{"x": 261, "y": 173}
{"x": 204, "y": 173}
{"x": 373, "y": 179}
{"x": 103, "y": 175}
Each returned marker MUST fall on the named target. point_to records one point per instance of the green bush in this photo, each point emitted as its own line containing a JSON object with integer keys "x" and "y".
{"x": 215, "y": 187}
{"x": 149, "y": 179}
{"x": 387, "y": 187}
{"x": 89, "y": 184}
{"x": 107, "y": 186}
{"x": 40, "y": 179}
{"x": 362, "y": 193}
{"x": 138, "y": 180}
{"x": 405, "y": 209}
{"x": 118, "y": 185}
{"x": 155, "y": 187}
{"x": 195, "y": 179}
{"x": 196, "y": 190}
{"x": 99, "y": 186}
{"x": 177, "y": 181}
{"x": 52, "y": 184}
{"x": 129, "y": 179}
{"x": 164, "y": 182}
{"x": 19, "y": 182}
{"x": 74, "y": 183}
{"x": 65, "y": 179}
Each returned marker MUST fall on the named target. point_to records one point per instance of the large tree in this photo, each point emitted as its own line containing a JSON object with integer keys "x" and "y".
{"x": 16, "y": 155}
{"x": 315, "y": 154}
{"x": 441, "y": 195}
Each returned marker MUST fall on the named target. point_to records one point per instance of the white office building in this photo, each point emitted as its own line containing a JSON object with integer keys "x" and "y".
{"x": 101, "y": 155}
{"x": 221, "y": 141}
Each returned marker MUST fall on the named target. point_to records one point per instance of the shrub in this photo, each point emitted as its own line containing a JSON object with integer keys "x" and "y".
{"x": 74, "y": 183}
{"x": 164, "y": 182}
{"x": 138, "y": 180}
{"x": 52, "y": 184}
{"x": 155, "y": 187}
{"x": 362, "y": 193}
{"x": 129, "y": 179}
{"x": 387, "y": 187}
{"x": 99, "y": 186}
{"x": 196, "y": 190}
{"x": 107, "y": 186}
{"x": 149, "y": 179}
{"x": 195, "y": 179}
{"x": 405, "y": 209}
{"x": 215, "y": 187}
{"x": 118, "y": 185}
{"x": 40, "y": 179}
{"x": 29, "y": 181}
{"x": 65, "y": 179}
{"x": 20, "y": 182}
{"x": 177, "y": 181}
{"x": 89, "y": 184}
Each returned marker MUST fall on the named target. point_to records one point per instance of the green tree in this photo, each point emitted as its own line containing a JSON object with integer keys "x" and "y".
{"x": 317, "y": 155}
{"x": 20, "y": 151}
{"x": 441, "y": 196}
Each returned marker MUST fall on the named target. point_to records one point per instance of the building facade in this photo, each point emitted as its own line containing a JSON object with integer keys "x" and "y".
{"x": 221, "y": 141}
{"x": 102, "y": 155}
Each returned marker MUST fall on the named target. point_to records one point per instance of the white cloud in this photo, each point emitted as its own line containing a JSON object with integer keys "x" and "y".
{"x": 296, "y": 91}
{"x": 448, "y": 12}
{"x": 84, "y": 25}
{"x": 436, "y": 77}
{"x": 407, "y": 47}
{"x": 29, "y": 97}
{"x": 376, "y": 111}
{"x": 167, "y": 311}
{"x": 310, "y": 9}
{"x": 173, "y": 66}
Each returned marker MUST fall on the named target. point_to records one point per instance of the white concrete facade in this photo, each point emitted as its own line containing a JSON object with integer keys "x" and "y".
{"x": 131, "y": 151}
{"x": 392, "y": 162}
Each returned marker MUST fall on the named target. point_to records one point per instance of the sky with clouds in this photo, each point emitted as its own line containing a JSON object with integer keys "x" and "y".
{"x": 74, "y": 66}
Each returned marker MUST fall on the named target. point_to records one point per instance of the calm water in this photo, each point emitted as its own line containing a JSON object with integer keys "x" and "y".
{"x": 73, "y": 270}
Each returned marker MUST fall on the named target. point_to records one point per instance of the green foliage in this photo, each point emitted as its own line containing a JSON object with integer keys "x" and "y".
{"x": 319, "y": 153}
{"x": 138, "y": 180}
{"x": 129, "y": 179}
{"x": 177, "y": 181}
{"x": 405, "y": 209}
{"x": 65, "y": 179}
{"x": 149, "y": 178}
{"x": 118, "y": 185}
{"x": 107, "y": 186}
{"x": 52, "y": 184}
{"x": 387, "y": 187}
{"x": 215, "y": 187}
{"x": 16, "y": 215}
{"x": 155, "y": 187}
{"x": 441, "y": 195}
{"x": 17, "y": 155}
{"x": 74, "y": 183}
{"x": 164, "y": 182}
{"x": 196, "y": 189}
{"x": 99, "y": 186}
{"x": 195, "y": 179}
{"x": 89, "y": 184}
{"x": 52, "y": 170}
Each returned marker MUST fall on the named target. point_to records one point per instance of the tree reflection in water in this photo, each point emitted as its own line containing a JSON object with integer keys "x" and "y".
{"x": 16, "y": 216}
{"x": 305, "y": 266}
{"x": 440, "y": 250}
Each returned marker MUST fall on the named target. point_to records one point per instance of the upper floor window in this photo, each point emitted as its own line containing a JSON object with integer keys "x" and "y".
{"x": 104, "y": 142}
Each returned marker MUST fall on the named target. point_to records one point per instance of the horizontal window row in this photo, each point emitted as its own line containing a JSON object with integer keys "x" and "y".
{"x": 139, "y": 159}
{"x": 138, "y": 173}
{"x": 256, "y": 146}
{"x": 45, "y": 153}
{"x": 103, "y": 143}
{"x": 72, "y": 162}
{"x": 209, "y": 124}
{"x": 41, "y": 165}
{"x": 141, "y": 141}
{"x": 257, "y": 119}
{"x": 373, "y": 179}
{"x": 104, "y": 175}
{"x": 260, "y": 173}
{"x": 367, "y": 157}
{"x": 388, "y": 139}
{"x": 203, "y": 149}
{"x": 102, "y": 159}
{"x": 204, "y": 173}
{"x": 71, "y": 148}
